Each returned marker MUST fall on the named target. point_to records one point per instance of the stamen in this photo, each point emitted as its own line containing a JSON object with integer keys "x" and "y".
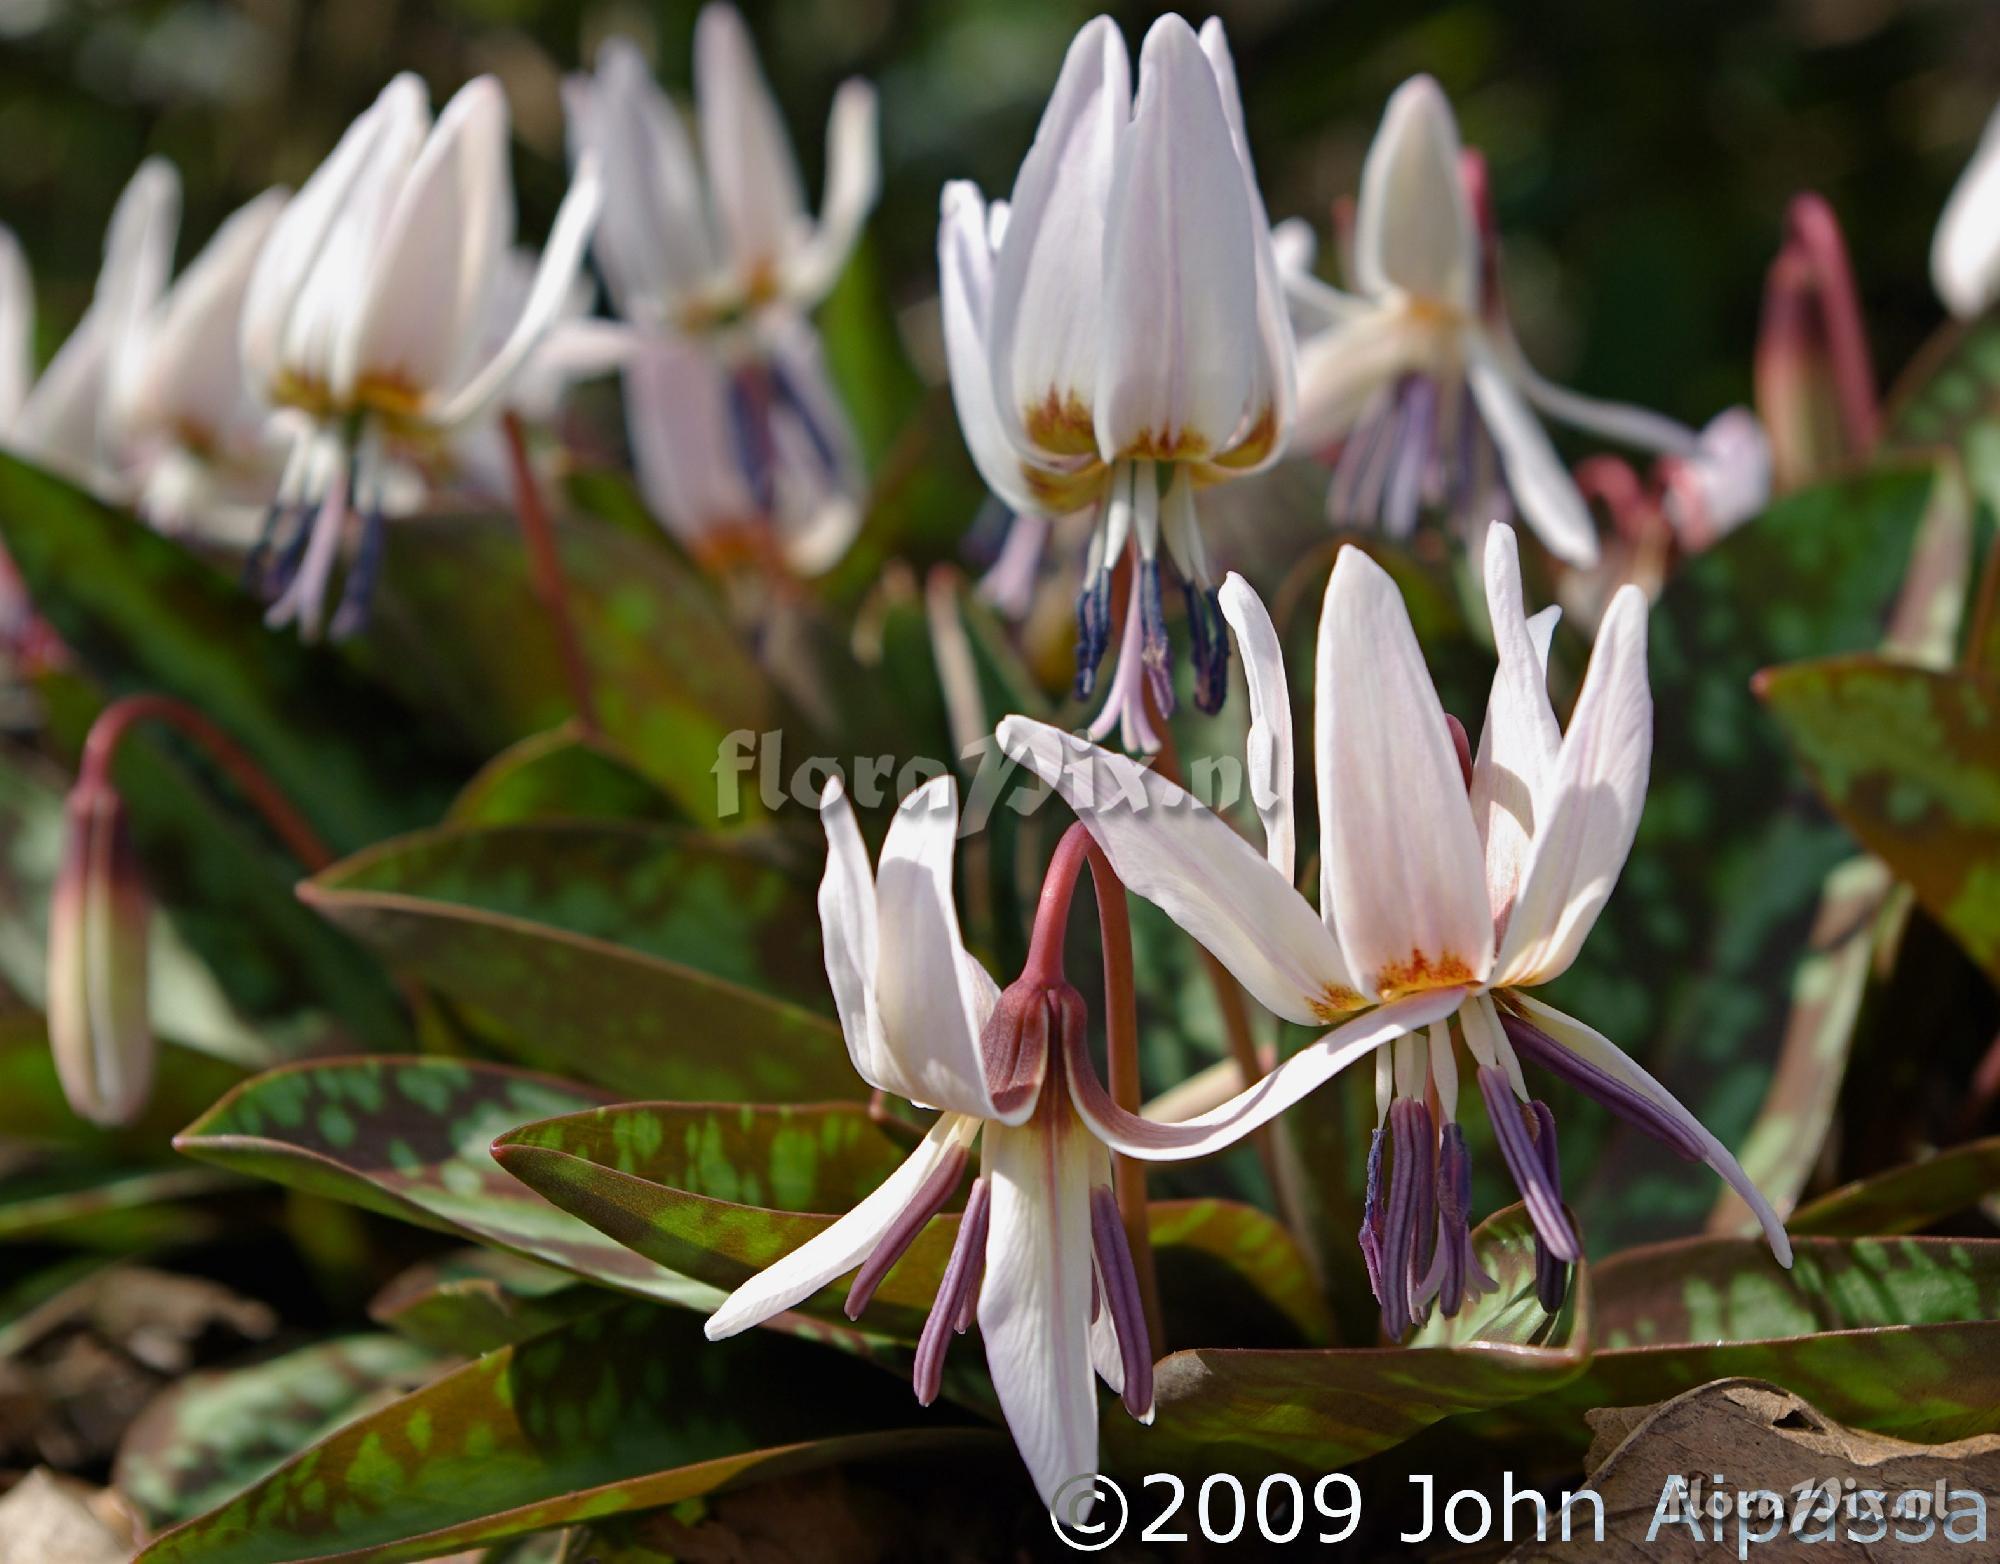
{"x": 1455, "y": 1272}
{"x": 1551, "y": 1274}
{"x": 926, "y": 1203}
{"x": 1539, "y": 1191}
{"x": 750, "y": 432}
{"x": 1209, "y": 644}
{"x": 1093, "y": 628}
{"x": 1641, "y": 1112}
{"x": 1156, "y": 654}
{"x": 357, "y": 597}
{"x": 958, "y": 1293}
{"x": 257, "y": 563}
{"x": 1370, "y": 1236}
{"x": 1121, "y": 1293}
{"x": 1412, "y": 455}
{"x": 1411, "y": 1174}
{"x": 789, "y": 397}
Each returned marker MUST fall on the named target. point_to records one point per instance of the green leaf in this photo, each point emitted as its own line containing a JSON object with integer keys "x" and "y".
{"x": 1905, "y": 1198}
{"x": 142, "y": 612}
{"x": 671, "y": 680}
{"x": 626, "y": 1410}
{"x": 408, "y": 1138}
{"x": 108, "y": 1208}
{"x": 1951, "y": 397}
{"x": 211, "y": 1434}
{"x": 560, "y": 774}
{"x": 1897, "y": 1335}
{"x": 647, "y": 958}
{"x": 33, "y": 1108}
{"x": 1910, "y": 762}
{"x": 478, "y": 1299}
{"x": 720, "y": 1192}
{"x": 1223, "y": 1409}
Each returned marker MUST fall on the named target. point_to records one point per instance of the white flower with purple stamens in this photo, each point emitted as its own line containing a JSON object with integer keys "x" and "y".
{"x": 1418, "y": 375}
{"x": 717, "y": 267}
{"x": 1449, "y": 886}
{"x": 1965, "y": 253}
{"x": 367, "y": 319}
{"x": 1118, "y": 337}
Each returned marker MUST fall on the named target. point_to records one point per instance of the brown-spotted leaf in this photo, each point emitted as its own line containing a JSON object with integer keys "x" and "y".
{"x": 111, "y": 1208}
{"x": 651, "y": 959}
{"x": 1910, "y": 761}
{"x": 1906, "y": 1198}
{"x": 564, "y": 773}
{"x": 409, "y": 1138}
{"x": 625, "y": 1410}
{"x": 475, "y": 1300}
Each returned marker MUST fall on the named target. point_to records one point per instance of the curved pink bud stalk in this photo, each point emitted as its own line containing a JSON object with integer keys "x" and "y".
{"x": 1814, "y": 373}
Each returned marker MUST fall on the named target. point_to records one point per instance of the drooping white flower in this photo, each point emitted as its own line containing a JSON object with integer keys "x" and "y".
{"x": 367, "y": 321}
{"x": 1965, "y": 253}
{"x": 1450, "y": 885}
{"x": 717, "y": 266}
{"x": 1118, "y": 337}
{"x": 1418, "y": 373}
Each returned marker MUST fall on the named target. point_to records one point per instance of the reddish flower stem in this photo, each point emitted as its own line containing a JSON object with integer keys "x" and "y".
{"x": 121, "y": 716}
{"x": 546, "y": 573}
{"x": 1121, "y": 1025}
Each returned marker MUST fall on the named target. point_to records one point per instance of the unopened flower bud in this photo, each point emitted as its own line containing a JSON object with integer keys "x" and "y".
{"x": 97, "y": 1002}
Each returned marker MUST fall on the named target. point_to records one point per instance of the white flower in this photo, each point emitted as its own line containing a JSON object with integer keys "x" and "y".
{"x": 1420, "y": 375}
{"x": 1449, "y": 886}
{"x": 367, "y": 319}
{"x": 717, "y": 266}
{"x": 1726, "y": 481}
{"x": 1118, "y": 336}
{"x": 1965, "y": 254}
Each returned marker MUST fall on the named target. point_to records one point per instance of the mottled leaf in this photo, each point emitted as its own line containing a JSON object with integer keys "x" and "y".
{"x": 34, "y": 1110}
{"x": 670, "y": 678}
{"x": 1950, "y": 396}
{"x": 108, "y": 1207}
{"x": 561, "y": 774}
{"x": 478, "y": 1299}
{"x": 211, "y": 1434}
{"x": 621, "y": 1411}
{"x": 640, "y": 956}
{"x": 1907, "y": 1198}
{"x": 1910, "y": 762}
{"x": 408, "y": 1138}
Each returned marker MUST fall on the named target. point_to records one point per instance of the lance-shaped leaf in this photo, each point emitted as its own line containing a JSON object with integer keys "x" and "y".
{"x": 1896, "y": 1335}
{"x": 670, "y": 678}
{"x": 1223, "y": 1409}
{"x": 1910, "y": 762}
{"x": 142, "y": 612}
{"x": 644, "y": 957}
{"x": 108, "y": 1207}
{"x": 564, "y": 773}
{"x": 625, "y": 1410}
{"x": 408, "y": 1138}
{"x": 1950, "y": 396}
{"x": 478, "y": 1299}
{"x": 1906, "y": 1198}
{"x": 210, "y": 1435}
{"x": 718, "y": 1192}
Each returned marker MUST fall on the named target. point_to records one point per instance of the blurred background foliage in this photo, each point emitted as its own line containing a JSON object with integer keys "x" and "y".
{"x": 1641, "y": 154}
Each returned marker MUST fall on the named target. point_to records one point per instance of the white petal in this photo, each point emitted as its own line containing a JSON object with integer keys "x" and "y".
{"x": 752, "y": 178}
{"x": 1277, "y": 364}
{"x": 1541, "y": 485}
{"x": 1396, "y": 831}
{"x": 1305, "y": 1072}
{"x": 1520, "y": 740}
{"x": 1594, "y": 802}
{"x": 1293, "y": 243}
{"x": 1725, "y": 483}
{"x": 849, "y": 932}
{"x": 17, "y": 327}
{"x": 1594, "y": 1048}
{"x": 683, "y": 447}
{"x": 654, "y": 241}
{"x": 1965, "y": 254}
{"x": 138, "y": 259}
{"x": 1170, "y": 849}
{"x": 840, "y": 1248}
{"x": 853, "y": 181}
{"x": 821, "y": 490}
{"x": 965, "y": 273}
{"x": 1413, "y": 226}
{"x": 60, "y": 422}
{"x": 561, "y": 257}
{"x": 1639, "y": 427}
{"x": 1342, "y": 369}
{"x": 1048, "y": 282}
{"x": 1034, "y": 1304}
{"x": 1268, "y": 748}
{"x": 1178, "y": 362}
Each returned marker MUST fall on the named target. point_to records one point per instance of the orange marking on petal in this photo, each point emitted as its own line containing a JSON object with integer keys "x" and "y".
{"x": 1335, "y": 1001}
{"x": 1418, "y": 972}
{"x": 1167, "y": 445}
{"x": 1257, "y": 441}
{"x": 1061, "y": 425}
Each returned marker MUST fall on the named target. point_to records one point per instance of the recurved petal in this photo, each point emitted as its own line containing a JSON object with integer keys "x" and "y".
{"x": 752, "y": 177}
{"x": 1268, "y": 749}
{"x": 1520, "y": 740}
{"x": 849, "y": 931}
{"x": 1540, "y": 483}
{"x": 1596, "y": 1049}
{"x": 843, "y": 1246}
{"x": 1180, "y": 349}
{"x": 965, "y": 273}
{"x": 1965, "y": 253}
{"x": 1342, "y": 369}
{"x": 853, "y": 181}
{"x": 1593, "y": 803}
{"x": 1413, "y": 226}
{"x": 1401, "y": 853}
{"x": 1221, "y": 1127}
{"x": 1048, "y": 277}
{"x": 931, "y": 1016}
{"x": 1034, "y": 1306}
